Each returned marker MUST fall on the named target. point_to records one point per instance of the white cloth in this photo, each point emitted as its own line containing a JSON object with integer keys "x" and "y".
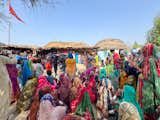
{"x": 48, "y": 112}
{"x": 39, "y": 69}
{"x": 5, "y": 87}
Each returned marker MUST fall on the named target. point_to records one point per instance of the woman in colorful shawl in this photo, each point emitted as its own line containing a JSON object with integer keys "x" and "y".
{"x": 26, "y": 72}
{"x": 77, "y": 83}
{"x": 91, "y": 87}
{"x": 48, "y": 109}
{"x": 81, "y": 105}
{"x": 103, "y": 73}
{"x": 12, "y": 71}
{"x": 115, "y": 59}
{"x": 129, "y": 109}
{"x": 148, "y": 92}
{"x": 102, "y": 104}
{"x": 64, "y": 89}
{"x": 42, "y": 83}
{"x": 70, "y": 65}
{"x": 109, "y": 67}
{"x": 44, "y": 106}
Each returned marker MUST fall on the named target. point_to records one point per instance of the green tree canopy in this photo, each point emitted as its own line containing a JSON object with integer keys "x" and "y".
{"x": 136, "y": 45}
{"x": 153, "y": 35}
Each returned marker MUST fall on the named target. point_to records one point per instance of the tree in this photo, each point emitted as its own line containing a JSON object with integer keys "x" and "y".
{"x": 136, "y": 45}
{"x": 153, "y": 35}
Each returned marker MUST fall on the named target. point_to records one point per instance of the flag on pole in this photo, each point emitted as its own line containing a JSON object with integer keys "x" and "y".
{"x": 12, "y": 12}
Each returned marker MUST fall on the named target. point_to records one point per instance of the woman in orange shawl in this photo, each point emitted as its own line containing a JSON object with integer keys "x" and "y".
{"x": 70, "y": 65}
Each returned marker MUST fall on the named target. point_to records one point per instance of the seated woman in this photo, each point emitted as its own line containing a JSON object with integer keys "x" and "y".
{"x": 102, "y": 105}
{"x": 77, "y": 84}
{"x": 42, "y": 83}
{"x": 64, "y": 89}
{"x": 45, "y": 107}
{"x": 80, "y": 102}
{"x": 129, "y": 109}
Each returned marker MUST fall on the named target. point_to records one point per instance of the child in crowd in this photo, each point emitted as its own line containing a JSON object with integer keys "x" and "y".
{"x": 48, "y": 66}
{"x": 50, "y": 78}
{"x": 39, "y": 68}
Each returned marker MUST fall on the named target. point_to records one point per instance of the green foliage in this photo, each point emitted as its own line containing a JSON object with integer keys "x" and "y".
{"x": 136, "y": 45}
{"x": 153, "y": 35}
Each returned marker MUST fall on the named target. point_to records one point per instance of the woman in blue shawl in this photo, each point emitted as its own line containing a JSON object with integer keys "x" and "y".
{"x": 26, "y": 72}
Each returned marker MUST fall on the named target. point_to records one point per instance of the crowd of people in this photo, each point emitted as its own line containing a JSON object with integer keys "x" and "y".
{"x": 125, "y": 86}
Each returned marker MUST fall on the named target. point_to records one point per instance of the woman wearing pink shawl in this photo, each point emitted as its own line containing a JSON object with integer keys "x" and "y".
{"x": 42, "y": 83}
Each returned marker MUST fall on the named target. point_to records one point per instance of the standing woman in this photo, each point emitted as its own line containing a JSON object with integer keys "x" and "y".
{"x": 70, "y": 65}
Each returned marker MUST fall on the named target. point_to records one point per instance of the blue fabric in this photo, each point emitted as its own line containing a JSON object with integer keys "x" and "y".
{"x": 50, "y": 79}
{"x": 48, "y": 97}
{"x": 76, "y": 56}
{"x": 26, "y": 72}
{"x": 18, "y": 57}
{"x": 70, "y": 55}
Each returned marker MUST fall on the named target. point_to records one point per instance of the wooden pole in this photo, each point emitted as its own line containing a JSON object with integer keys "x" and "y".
{"x": 9, "y": 32}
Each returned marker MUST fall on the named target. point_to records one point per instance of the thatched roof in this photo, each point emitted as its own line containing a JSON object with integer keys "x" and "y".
{"x": 111, "y": 44}
{"x": 2, "y": 44}
{"x": 21, "y": 46}
{"x": 66, "y": 45}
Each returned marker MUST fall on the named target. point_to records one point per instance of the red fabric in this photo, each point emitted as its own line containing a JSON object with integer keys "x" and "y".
{"x": 158, "y": 67}
{"x": 116, "y": 59}
{"x": 82, "y": 90}
{"x": 42, "y": 83}
{"x": 91, "y": 86}
{"x": 76, "y": 102}
{"x": 146, "y": 68}
{"x": 48, "y": 66}
{"x": 11, "y": 10}
{"x": 87, "y": 115}
{"x": 140, "y": 92}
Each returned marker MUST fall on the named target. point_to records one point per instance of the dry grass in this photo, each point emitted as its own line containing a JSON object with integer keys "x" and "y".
{"x": 66, "y": 45}
{"x": 111, "y": 44}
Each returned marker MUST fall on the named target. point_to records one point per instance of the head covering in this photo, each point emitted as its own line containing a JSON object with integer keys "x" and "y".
{"x": 134, "y": 51}
{"x": 122, "y": 53}
{"x": 77, "y": 82}
{"x": 103, "y": 73}
{"x": 48, "y": 97}
{"x": 70, "y": 55}
{"x": 129, "y": 95}
{"x": 158, "y": 55}
{"x": 130, "y": 80}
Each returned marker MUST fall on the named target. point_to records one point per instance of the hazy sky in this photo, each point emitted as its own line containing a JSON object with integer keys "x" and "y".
{"x": 82, "y": 20}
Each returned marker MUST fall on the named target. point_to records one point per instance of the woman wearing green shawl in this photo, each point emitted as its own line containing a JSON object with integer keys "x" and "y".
{"x": 103, "y": 73}
{"x": 129, "y": 108}
{"x": 84, "y": 106}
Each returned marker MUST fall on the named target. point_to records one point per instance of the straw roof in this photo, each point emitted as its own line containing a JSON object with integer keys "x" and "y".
{"x": 2, "y": 44}
{"x": 66, "y": 45}
{"x": 111, "y": 44}
{"x": 22, "y": 46}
